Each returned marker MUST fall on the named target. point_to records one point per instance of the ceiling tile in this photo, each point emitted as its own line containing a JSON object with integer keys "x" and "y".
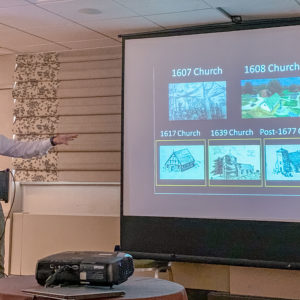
{"x": 192, "y": 18}
{"x": 11, "y": 3}
{"x": 42, "y": 21}
{"x": 90, "y": 44}
{"x": 15, "y": 39}
{"x": 70, "y": 10}
{"x": 70, "y": 32}
{"x": 114, "y": 27}
{"x": 4, "y": 51}
{"x": 24, "y": 17}
{"x": 152, "y": 7}
{"x": 259, "y": 9}
{"x": 4, "y": 28}
{"x": 42, "y": 48}
{"x": 44, "y": 1}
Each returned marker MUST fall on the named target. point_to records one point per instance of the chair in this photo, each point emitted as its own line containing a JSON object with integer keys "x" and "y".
{"x": 157, "y": 266}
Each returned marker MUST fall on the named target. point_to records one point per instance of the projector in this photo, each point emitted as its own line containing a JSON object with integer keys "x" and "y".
{"x": 84, "y": 267}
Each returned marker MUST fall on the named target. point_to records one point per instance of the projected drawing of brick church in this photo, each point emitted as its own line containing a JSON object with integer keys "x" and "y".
{"x": 287, "y": 163}
{"x": 180, "y": 161}
{"x": 227, "y": 167}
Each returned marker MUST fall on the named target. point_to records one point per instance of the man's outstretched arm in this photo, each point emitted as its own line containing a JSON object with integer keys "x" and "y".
{"x": 62, "y": 139}
{"x": 14, "y": 148}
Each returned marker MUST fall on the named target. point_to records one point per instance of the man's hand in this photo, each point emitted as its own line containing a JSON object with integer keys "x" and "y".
{"x": 64, "y": 139}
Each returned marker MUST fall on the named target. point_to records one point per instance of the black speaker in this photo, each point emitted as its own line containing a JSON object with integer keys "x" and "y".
{"x": 4, "y": 185}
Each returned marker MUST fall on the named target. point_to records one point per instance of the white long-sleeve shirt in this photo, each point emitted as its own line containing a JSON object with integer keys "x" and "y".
{"x": 14, "y": 148}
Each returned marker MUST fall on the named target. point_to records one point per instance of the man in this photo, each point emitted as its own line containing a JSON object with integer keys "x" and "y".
{"x": 14, "y": 148}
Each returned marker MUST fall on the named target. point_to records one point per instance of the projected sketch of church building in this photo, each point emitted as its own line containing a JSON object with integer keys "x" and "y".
{"x": 287, "y": 163}
{"x": 228, "y": 168}
{"x": 180, "y": 160}
{"x": 197, "y": 101}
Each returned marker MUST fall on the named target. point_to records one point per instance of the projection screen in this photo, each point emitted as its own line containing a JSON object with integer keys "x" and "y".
{"x": 211, "y": 144}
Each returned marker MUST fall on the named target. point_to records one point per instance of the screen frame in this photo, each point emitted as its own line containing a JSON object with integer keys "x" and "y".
{"x": 268, "y": 244}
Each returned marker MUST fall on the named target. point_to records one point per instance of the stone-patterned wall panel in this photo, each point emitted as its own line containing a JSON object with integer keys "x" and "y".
{"x": 45, "y": 163}
{"x": 40, "y": 58}
{"x": 37, "y": 72}
{"x": 35, "y": 125}
{"x": 70, "y": 92}
{"x": 35, "y": 89}
{"x": 35, "y": 111}
{"x": 33, "y": 137}
{"x": 36, "y": 176}
{"x": 35, "y": 107}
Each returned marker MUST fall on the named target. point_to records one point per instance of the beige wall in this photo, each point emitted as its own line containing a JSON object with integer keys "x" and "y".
{"x": 39, "y": 235}
{"x": 56, "y": 217}
{"x": 83, "y": 199}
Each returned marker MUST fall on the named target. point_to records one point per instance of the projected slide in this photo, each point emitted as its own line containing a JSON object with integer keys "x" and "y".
{"x": 230, "y": 112}
{"x": 197, "y": 100}
{"x": 271, "y": 98}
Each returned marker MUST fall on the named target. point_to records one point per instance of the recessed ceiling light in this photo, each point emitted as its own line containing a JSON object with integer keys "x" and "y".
{"x": 90, "y": 11}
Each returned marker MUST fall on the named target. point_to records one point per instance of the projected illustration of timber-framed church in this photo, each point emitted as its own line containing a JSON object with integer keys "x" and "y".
{"x": 180, "y": 161}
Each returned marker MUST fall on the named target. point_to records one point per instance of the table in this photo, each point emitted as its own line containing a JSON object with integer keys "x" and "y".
{"x": 137, "y": 288}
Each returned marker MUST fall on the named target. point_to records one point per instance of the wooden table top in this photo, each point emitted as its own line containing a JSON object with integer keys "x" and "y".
{"x": 135, "y": 288}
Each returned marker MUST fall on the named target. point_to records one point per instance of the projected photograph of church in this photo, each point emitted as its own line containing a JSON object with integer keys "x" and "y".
{"x": 283, "y": 162}
{"x": 234, "y": 162}
{"x": 270, "y": 98}
{"x": 197, "y": 101}
{"x": 181, "y": 162}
